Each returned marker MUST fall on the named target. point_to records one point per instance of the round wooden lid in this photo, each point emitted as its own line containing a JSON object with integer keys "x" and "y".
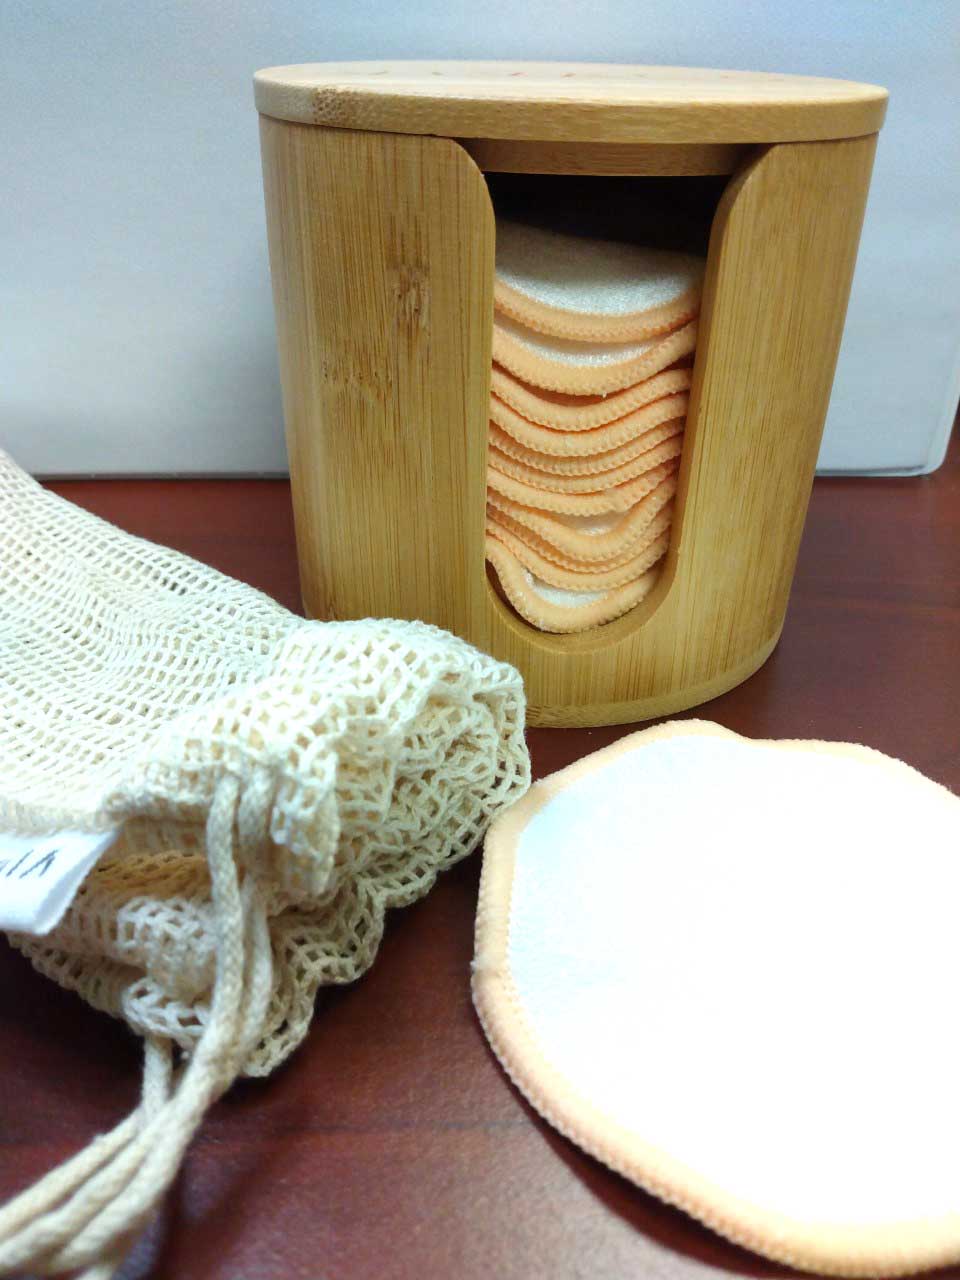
{"x": 570, "y": 101}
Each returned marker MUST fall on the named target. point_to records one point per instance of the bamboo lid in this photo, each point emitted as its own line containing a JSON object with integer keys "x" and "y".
{"x": 570, "y": 101}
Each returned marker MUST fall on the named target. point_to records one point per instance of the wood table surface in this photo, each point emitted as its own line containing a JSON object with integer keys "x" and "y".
{"x": 392, "y": 1145}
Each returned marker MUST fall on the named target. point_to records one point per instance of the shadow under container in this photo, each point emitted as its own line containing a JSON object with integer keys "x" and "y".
{"x": 382, "y": 233}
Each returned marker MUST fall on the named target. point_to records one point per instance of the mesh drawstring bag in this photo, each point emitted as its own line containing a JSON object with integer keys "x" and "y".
{"x": 275, "y": 784}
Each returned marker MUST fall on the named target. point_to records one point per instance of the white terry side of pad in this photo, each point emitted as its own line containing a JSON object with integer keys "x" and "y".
{"x": 560, "y": 596}
{"x": 797, "y": 907}
{"x": 599, "y": 277}
{"x": 603, "y": 522}
{"x": 745, "y": 956}
{"x": 569, "y": 351}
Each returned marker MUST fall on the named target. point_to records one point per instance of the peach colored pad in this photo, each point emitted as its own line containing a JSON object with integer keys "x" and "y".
{"x": 622, "y": 498}
{"x": 603, "y": 539}
{"x": 595, "y": 480}
{"x": 583, "y": 327}
{"x": 592, "y": 290}
{"x": 575, "y": 610}
{"x": 556, "y": 443}
{"x": 562, "y": 412}
{"x": 499, "y": 520}
{"x": 579, "y": 579}
{"x": 584, "y": 464}
{"x": 727, "y": 969}
{"x": 579, "y": 369}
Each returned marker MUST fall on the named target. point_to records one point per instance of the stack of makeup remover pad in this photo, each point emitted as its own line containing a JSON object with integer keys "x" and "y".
{"x": 591, "y": 366}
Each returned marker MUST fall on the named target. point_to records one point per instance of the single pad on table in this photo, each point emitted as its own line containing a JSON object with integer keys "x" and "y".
{"x": 727, "y": 969}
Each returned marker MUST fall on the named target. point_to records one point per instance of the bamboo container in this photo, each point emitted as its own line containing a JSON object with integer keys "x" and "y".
{"x": 382, "y": 235}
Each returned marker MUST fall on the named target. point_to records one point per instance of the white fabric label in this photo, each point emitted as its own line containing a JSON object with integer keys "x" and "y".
{"x": 39, "y": 875}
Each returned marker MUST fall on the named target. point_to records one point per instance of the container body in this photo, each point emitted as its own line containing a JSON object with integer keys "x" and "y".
{"x": 382, "y": 254}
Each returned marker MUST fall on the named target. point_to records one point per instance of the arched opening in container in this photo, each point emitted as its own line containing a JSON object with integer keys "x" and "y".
{"x": 585, "y": 462}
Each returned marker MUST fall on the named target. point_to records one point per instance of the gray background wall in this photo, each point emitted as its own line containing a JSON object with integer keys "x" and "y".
{"x": 136, "y": 332}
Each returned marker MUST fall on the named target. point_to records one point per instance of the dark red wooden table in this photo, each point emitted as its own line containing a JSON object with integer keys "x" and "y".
{"x": 392, "y": 1144}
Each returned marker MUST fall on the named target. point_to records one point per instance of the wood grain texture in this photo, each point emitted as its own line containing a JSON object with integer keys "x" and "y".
{"x": 497, "y": 155}
{"x": 569, "y": 101}
{"x": 386, "y": 415}
{"x": 381, "y": 252}
{"x": 392, "y": 1146}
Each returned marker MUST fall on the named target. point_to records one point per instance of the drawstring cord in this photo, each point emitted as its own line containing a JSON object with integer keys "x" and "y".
{"x": 84, "y": 1214}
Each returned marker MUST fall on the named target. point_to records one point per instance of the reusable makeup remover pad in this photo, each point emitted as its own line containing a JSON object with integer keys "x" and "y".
{"x": 550, "y": 567}
{"x": 590, "y": 478}
{"x": 563, "y": 412}
{"x": 727, "y": 969}
{"x": 618, "y": 497}
{"x": 562, "y": 609}
{"x": 582, "y": 368}
{"x": 592, "y": 290}
{"x": 592, "y": 539}
{"x": 548, "y": 443}
{"x": 586, "y": 417}
{"x": 258, "y": 791}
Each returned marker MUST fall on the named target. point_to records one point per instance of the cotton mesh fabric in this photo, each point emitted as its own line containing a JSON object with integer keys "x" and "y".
{"x": 277, "y": 785}
{"x": 133, "y": 678}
